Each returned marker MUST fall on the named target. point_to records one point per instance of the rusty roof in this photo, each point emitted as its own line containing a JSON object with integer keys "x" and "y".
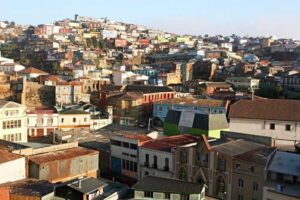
{"x": 266, "y": 109}
{"x": 139, "y": 137}
{"x": 6, "y": 156}
{"x": 194, "y": 102}
{"x": 61, "y": 155}
{"x": 166, "y": 143}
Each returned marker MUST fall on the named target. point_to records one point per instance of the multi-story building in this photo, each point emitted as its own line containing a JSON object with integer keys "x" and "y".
{"x": 234, "y": 173}
{"x": 158, "y": 157}
{"x": 244, "y": 83}
{"x": 70, "y": 93}
{"x": 42, "y": 121}
{"x": 292, "y": 81}
{"x": 275, "y": 118}
{"x": 13, "y": 121}
{"x": 128, "y": 108}
{"x": 161, "y": 108}
{"x": 125, "y": 153}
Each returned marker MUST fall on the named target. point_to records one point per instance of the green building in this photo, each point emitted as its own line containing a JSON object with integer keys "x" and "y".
{"x": 191, "y": 122}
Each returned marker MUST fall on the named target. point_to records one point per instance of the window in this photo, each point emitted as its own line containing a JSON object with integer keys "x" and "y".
{"x": 184, "y": 197}
{"x": 127, "y": 164}
{"x": 133, "y": 146}
{"x": 255, "y": 186}
{"x": 148, "y": 194}
{"x": 135, "y": 167}
{"x": 62, "y": 120}
{"x": 272, "y": 126}
{"x": 252, "y": 169}
{"x": 147, "y": 160}
{"x": 160, "y": 109}
{"x": 154, "y": 162}
{"x": 241, "y": 183}
{"x": 85, "y": 119}
{"x": 123, "y": 164}
{"x": 50, "y": 120}
{"x": 74, "y": 119}
{"x": 166, "y": 164}
{"x": 221, "y": 163}
{"x": 288, "y": 127}
{"x": 183, "y": 156}
{"x": 167, "y": 195}
{"x": 146, "y": 173}
{"x": 240, "y": 197}
{"x": 115, "y": 142}
{"x": 237, "y": 165}
{"x": 131, "y": 166}
{"x": 126, "y": 144}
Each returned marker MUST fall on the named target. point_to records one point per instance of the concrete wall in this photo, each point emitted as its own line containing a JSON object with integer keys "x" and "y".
{"x": 66, "y": 169}
{"x": 262, "y": 128}
{"x": 12, "y": 170}
{"x": 66, "y": 121}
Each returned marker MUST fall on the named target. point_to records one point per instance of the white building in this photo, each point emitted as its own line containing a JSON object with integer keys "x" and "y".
{"x": 8, "y": 65}
{"x": 12, "y": 167}
{"x": 124, "y": 153}
{"x": 275, "y": 118}
{"x": 72, "y": 119}
{"x": 13, "y": 121}
{"x": 158, "y": 157}
{"x": 68, "y": 93}
{"x": 100, "y": 122}
{"x": 246, "y": 83}
{"x": 124, "y": 77}
{"x": 42, "y": 122}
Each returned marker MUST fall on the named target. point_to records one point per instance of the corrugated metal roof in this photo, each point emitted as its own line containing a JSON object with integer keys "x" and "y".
{"x": 236, "y": 147}
{"x": 61, "y": 155}
{"x": 286, "y": 163}
{"x": 157, "y": 184}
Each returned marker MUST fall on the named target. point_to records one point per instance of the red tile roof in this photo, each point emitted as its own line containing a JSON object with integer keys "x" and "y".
{"x": 139, "y": 137}
{"x": 266, "y": 109}
{"x": 32, "y": 70}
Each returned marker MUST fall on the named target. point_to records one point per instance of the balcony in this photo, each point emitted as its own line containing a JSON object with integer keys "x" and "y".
{"x": 146, "y": 164}
{"x": 154, "y": 165}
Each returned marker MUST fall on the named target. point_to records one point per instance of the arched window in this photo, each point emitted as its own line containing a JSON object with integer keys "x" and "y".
{"x": 182, "y": 174}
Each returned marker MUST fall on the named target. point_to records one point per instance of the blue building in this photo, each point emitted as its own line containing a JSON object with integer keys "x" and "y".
{"x": 150, "y": 72}
{"x": 207, "y": 106}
